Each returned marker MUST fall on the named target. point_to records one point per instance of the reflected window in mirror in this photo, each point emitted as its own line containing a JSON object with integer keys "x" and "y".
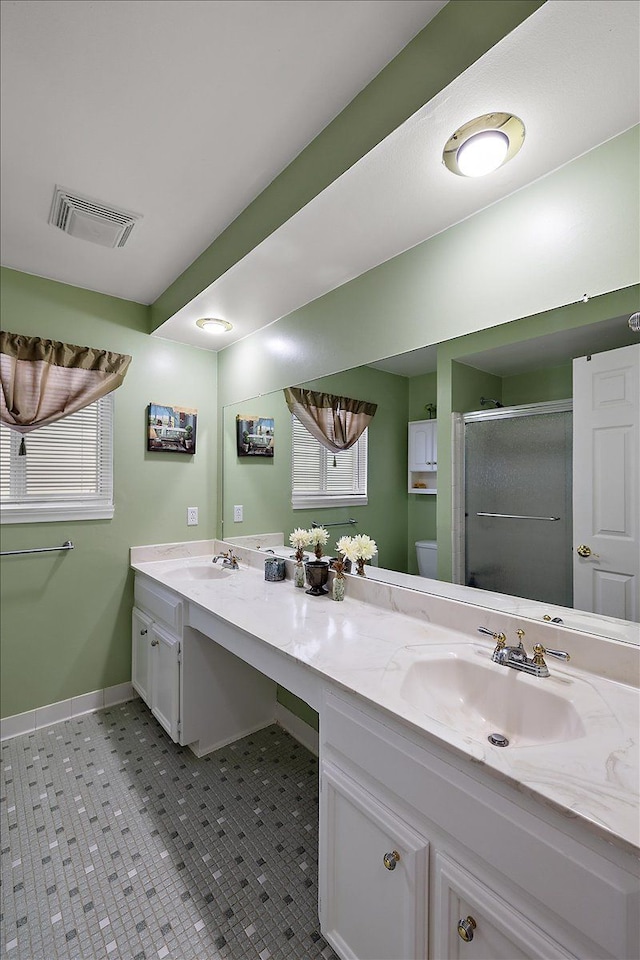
{"x": 320, "y": 478}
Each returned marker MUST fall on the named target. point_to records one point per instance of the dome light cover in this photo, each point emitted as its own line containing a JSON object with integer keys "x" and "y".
{"x": 484, "y": 144}
{"x": 214, "y": 325}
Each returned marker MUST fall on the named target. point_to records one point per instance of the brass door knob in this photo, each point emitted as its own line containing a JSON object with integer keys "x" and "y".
{"x": 584, "y": 551}
{"x": 390, "y": 859}
{"x": 466, "y": 928}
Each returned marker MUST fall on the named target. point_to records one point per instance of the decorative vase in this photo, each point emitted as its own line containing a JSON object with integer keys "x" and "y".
{"x": 298, "y": 574}
{"x": 337, "y": 588}
{"x": 318, "y": 551}
{"x": 360, "y": 567}
{"x": 317, "y": 576}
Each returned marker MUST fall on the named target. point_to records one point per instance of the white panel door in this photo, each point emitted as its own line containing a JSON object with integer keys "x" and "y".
{"x": 165, "y": 680}
{"x": 369, "y": 911}
{"x": 606, "y": 483}
{"x": 140, "y": 654}
{"x": 473, "y": 923}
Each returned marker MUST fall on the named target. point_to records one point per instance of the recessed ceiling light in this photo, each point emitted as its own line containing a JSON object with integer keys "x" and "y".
{"x": 214, "y": 325}
{"x": 484, "y": 144}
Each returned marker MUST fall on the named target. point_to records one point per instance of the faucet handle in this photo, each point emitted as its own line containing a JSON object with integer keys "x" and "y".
{"x": 539, "y": 653}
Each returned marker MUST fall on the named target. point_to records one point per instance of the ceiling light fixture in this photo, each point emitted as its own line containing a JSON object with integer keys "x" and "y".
{"x": 484, "y": 144}
{"x": 214, "y": 325}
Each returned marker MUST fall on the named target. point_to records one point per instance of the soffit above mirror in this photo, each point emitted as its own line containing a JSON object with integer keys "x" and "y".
{"x": 570, "y": 72}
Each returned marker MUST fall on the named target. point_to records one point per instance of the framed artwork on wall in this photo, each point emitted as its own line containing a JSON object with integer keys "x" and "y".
{"x": 171, "y": 429}
{"x": 254, "y": 436}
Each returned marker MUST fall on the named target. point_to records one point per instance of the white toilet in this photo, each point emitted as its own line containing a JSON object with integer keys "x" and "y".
{"x": 427, "y": 554}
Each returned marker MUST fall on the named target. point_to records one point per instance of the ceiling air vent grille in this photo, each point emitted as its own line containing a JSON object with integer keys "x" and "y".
{"x": 90, "y": 219}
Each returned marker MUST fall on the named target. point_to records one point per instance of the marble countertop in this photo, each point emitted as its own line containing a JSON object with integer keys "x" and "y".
{"x": 365, "y": 643}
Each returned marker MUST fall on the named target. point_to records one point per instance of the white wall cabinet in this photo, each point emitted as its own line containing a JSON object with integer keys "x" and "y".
{"x": 423, "y": 456}
{"x": 502, "y": 884}
{"x": 202, "y": 694}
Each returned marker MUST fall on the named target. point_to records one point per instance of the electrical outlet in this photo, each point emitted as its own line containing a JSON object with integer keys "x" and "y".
{"x": 237, "y": 513}
{"x": 192, "y": 516}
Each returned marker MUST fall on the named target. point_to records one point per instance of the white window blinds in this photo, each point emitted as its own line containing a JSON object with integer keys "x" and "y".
{"x": 316, "y": 481}
{"x": 67, "y": 472}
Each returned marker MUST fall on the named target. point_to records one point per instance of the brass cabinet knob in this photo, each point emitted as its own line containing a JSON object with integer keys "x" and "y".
{"x": 390, "y": 859}
{"x": 143, "y": 632}
{"x": 584, "y": 551}
{"x": 154, "y": 642}
{"x": 466, "y": 928}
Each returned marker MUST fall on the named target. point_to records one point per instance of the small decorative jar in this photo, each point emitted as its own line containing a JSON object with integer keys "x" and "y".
{"x": 298, "y": 574}
{"x": 337, "y": 587}
{"x": 274, "y": 568}
{"x": 360, "y": 567}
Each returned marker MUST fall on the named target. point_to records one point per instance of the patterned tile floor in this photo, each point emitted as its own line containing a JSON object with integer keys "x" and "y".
{"x": 117, "y": 843}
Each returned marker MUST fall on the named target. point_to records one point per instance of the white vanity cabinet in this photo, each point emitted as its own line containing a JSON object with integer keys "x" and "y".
{"x": 201, "y": 693}
{"x": 423, "y": 456}
{"x": 370, "y": 857}
{"x": 156, "y": 655}
{"x": 476, "y": 877}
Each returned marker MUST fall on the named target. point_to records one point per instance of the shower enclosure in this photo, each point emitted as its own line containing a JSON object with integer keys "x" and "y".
{"x": 518, "y": 501}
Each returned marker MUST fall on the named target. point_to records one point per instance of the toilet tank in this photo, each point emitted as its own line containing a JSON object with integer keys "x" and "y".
{"x": 427, "y": 554}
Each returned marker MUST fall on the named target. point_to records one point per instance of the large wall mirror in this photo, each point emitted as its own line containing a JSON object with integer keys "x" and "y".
{"x": 498, "y": 369}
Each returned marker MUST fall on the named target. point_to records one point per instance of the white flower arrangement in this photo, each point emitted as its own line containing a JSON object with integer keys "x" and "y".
{"x": 357, "y": 549}
{"x": 318, "y": 535}
{"x": 300, "y": 538}
{"x": 365, "y": 546}
{"x": 347, "y": 547}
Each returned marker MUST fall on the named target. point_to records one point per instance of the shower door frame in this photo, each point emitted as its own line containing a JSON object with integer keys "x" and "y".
{"x": 458, "y": 425}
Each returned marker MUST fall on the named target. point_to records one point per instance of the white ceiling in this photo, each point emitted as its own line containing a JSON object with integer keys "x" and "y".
{"x": 159, "y": 127}
{"x": 181, "y": 110}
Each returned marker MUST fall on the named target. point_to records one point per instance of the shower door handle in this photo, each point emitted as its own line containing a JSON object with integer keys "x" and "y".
{"x": 516, "y": 516}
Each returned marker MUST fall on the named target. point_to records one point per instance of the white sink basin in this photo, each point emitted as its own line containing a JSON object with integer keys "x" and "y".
{"x": 463, "y": 689}
{"x": 199, "y": 569}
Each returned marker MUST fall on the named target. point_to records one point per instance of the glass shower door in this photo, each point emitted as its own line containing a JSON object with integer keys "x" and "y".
{"x": 518, "y": 503}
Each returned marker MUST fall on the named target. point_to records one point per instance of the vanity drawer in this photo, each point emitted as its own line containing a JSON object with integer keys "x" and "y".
{"x": 473, "y": 817}
{"x": 161, "y": 604}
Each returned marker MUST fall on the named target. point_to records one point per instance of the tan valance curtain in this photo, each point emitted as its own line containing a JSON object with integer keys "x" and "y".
{"x": 44, "y": 380}
{"x": 335, "y": 422}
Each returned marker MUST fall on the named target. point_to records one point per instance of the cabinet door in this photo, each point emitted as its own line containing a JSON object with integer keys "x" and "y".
{"x": 494, "y": 929}
{"x": 423, "y": 445}
{"x": 369, "y": 910}
{"x": 141, "y": 626}
{"x": 165, "y": 680}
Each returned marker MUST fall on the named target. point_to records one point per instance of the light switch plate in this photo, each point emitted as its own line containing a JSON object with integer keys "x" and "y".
{"x": 192, "y": 516}
{"x": 237, "y": 513}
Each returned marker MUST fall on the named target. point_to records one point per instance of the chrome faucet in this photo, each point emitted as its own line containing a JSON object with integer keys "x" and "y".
{"x": 516, "y": 657}
{"x": 228, "y": 560}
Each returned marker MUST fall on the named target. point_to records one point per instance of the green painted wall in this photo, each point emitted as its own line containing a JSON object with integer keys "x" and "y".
{"x": 468, "y": 385}
{"x": 264, "y": 486}
{"x": 461, "y": 33}
{"x": 552, "y": 383}
{"x": 66, "y": 618}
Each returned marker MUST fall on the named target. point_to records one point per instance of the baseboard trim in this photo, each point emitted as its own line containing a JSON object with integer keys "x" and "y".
{"x": 33, "y": 720}
{"x": 298, "y": 729}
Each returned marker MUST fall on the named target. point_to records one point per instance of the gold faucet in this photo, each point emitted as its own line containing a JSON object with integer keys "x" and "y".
{"x": 516, "y": 656}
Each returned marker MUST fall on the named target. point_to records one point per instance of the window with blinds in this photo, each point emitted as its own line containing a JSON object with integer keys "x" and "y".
{"x": 320, "y": 479}
{"x": 67, "y": 473}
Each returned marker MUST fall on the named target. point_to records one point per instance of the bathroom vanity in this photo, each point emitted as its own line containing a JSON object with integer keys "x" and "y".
{"x": 433, "y": 842}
